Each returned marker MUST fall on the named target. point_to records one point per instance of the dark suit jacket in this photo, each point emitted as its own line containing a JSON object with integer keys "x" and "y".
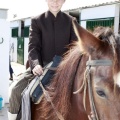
{"x": 49, "y": 36}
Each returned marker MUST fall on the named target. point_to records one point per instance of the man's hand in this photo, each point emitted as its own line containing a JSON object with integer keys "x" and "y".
{"x": 37, "y": 70}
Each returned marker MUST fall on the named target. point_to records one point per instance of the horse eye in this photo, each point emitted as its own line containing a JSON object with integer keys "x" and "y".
{"x": 101, "y": 93}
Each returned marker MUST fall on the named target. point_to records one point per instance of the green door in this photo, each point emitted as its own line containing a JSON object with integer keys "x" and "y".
{"x": 20, "y": 50}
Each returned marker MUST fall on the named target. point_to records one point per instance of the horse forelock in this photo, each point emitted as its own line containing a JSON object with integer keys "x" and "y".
{"x": 113, "y": 41}
{"x": 106, "y": 35}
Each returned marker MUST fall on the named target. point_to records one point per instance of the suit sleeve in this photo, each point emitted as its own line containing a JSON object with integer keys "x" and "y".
{"x": 34, "y": 46}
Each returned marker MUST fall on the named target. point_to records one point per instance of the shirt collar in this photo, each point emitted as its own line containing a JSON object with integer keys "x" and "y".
{"x": 52, "y": 16}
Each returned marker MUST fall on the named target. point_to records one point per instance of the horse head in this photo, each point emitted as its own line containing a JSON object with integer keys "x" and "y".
{"x": 101, "y": 51}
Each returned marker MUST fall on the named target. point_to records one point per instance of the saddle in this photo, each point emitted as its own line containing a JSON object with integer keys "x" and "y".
{"x": 34, "y": 89}
{"x": 36, "y": 92}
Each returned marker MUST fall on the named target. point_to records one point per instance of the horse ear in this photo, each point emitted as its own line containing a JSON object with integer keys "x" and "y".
{"x": 88, "y": 42}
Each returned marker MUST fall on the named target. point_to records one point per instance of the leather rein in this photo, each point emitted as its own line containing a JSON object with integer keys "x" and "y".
{"x": 87, "y": 83}
{"x": 47, "y": 96}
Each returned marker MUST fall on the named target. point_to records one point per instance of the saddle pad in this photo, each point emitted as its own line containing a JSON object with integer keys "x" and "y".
{"x": 40, "y": 78}
{"x": 45, "y": 78}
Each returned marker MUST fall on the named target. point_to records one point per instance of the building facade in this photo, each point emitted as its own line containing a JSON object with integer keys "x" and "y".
{"x": 89, "y": 17}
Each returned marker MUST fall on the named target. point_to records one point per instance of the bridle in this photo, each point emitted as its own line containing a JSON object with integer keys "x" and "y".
{"x": 87, "y": 82}
{"x": 94, "y": 63}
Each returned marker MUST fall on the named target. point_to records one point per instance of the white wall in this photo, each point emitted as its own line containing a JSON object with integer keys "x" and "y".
{"x": 13, "y": 53}
{"x": 4, "y": 61}
{"x": 3, "y": 13}
{"x": 26, "y": 41}
{"x": 27, "y": 22}
{"x": 13, "y": 40}
{"x": 14, "y": 24}
{"x": 98, "y": 12}
{"x": 116, "y": 19}
{"x": 83, "y": 24}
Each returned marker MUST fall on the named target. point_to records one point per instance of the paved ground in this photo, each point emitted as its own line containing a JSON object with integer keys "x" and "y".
{"x": 18, "y": 69}
{"x": 3, "y": 113}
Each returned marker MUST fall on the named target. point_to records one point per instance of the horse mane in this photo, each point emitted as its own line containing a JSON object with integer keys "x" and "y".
{"x": 61, "y": 87}
{"x": 106, "y": 34}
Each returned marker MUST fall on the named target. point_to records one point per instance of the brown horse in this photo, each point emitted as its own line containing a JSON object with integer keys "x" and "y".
{"x": 87, "y": 80}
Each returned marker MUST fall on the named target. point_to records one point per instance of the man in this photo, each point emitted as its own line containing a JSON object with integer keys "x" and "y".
{"x": 50, "y": 32}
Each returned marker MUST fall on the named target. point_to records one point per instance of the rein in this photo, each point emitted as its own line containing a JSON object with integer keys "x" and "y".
{"x": 47, "y": 96}
{"x": 87, "y": 81}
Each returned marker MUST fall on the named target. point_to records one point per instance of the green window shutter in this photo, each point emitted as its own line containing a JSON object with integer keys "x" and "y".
{"x": 106, "y": 22}
{"x": 20, "y": 50}
{"x": 26, "y": 31}
{"x": 14, "y": 32}
{"x": 112, "y": 22}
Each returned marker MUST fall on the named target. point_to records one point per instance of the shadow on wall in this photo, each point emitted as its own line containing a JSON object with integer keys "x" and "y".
{"x": 1, "y": 40}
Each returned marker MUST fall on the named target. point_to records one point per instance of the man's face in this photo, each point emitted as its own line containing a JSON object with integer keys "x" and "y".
{"x": 55, "y": 5}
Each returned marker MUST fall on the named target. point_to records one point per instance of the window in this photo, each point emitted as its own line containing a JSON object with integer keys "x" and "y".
{"x": 14, "y": 32}
{"x": 26, "y": 31}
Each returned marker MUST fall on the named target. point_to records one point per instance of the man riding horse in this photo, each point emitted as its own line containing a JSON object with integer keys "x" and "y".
{"x": 50, "y": 33}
